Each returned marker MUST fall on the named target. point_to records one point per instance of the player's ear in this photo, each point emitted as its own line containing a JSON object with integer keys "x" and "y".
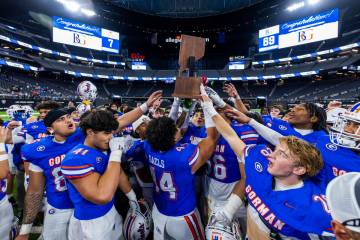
{"x": 50, "y": 130}
{"x": 89, "y": 132}
{"x": 299, "y": 171}
{"x": 313, "y": 119}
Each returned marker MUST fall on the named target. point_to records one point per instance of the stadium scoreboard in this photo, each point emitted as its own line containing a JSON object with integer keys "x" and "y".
{"x": 310, "y": 29}
{"x": 77, "y": 34}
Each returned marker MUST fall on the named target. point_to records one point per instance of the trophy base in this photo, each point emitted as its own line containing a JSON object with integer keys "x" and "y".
{"x": 187, "y": 87}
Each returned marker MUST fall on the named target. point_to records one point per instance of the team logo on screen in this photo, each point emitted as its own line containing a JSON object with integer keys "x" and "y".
{"x": 79, "y": 39}
{"x": 306, "y": 35}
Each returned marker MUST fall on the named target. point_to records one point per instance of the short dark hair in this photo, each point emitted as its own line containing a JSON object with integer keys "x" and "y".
{"x": 99, "y": 120}
{"x": 319, "y": 113}
{"x": 160, "y": 133}
{"x": 49, "y": 105}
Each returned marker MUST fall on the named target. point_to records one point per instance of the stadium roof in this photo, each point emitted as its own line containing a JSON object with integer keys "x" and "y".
{"x": 183, "y": 8}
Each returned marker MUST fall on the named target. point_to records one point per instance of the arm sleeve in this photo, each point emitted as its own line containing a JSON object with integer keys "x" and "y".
{"x": 267, "y": 133}
{"x": 174, "y": 109}
{"x": 18, "y": 135}
{"x": 28, "y": 139}
{"x": 35, "y": 168}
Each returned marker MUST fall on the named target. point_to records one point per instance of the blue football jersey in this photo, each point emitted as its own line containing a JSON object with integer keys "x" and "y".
{"x": 48, "y": 155}
{"x": 292, "y": 213}
{"x": 286, "y": 129}
{"x": 337, "y": 160}
{"x": 267, "y": 119}
{"x": 223, "y": 165}
{"x": 194, "y": 134}
{"x": 80, "y": 162}
{"x": 36, "y": 130}
{"x": 174, "y": 189}
{"x": 136, "y": 152}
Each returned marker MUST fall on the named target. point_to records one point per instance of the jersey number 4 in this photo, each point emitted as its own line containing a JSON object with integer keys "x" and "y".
{"x": 166, "y": 183}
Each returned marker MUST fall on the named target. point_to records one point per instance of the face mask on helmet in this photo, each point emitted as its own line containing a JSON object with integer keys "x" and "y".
{"x": 345, "y": 131}
{"x": 220, "y": 231}
{"x": 138, "y": 223}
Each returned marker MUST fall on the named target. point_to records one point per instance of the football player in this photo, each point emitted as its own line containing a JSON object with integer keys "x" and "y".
{"x": 93, "y": 177}
{"x": 173, "y": 166}
{"x": 278, "y": 187}
{"x": 6, "y": 210}
{"x": 44, "y": 158}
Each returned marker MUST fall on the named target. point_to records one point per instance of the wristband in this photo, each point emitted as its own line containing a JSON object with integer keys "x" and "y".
{"x": 2, "y": 147}
{"x": 144, "y": 107}
{"x": 209, "y": 109}
{"x": 208, "y": 120}
{"x": 25, "y": 229}
{"x": 232, "y": 206}
{"x": 115, "y": 156}
{"x": 253, "y": 123}
{"x": 131, "y": 195}
{"x": 3, "y": 157}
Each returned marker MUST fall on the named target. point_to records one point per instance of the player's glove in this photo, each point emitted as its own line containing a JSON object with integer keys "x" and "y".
{"x": 134, "y": 205}
{"x": 116, "y": 146}
{"x": 215, "y": 97}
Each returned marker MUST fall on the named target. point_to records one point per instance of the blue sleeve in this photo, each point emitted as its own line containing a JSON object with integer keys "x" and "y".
{"x": 190, "y": 152}
{"x": 26, "y": 152}
{"x": 76, "y": 166}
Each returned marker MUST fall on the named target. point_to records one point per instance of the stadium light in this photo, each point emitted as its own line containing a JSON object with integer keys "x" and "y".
{"x": 296, "y": 6}
{"x": 88, "y": 12}
{"x": 72, "y": 6}
{"x": 312, "y": 2}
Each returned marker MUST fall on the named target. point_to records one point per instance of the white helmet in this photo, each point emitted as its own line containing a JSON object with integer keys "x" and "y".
{"x": 28, "y": 110}
{"x": 339, "y": 136}
{"x": 138, "y": 223}
{"x": 83, "y": 108}
{"x": 87, "y": 91}
{"x": 215, "y": 230}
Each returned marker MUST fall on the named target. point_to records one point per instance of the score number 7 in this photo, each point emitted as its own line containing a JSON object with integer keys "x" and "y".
{"x": 111, "y": 42}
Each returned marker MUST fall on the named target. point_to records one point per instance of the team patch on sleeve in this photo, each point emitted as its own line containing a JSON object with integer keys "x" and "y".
{"x": 81, "y": 171}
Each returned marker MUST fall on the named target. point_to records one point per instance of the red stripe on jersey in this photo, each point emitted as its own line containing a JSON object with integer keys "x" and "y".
{"x": 76, "y": 167}
{"x": 78, "y": 176}
{"x": 192, "y": 229}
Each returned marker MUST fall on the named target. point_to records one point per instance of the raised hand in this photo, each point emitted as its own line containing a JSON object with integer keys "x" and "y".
{"x": 154, "y": 97}
{"x": 230, "y": 89}
{"x": 237, "y": 115}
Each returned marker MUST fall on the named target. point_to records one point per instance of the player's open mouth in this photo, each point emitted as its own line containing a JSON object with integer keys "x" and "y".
{"x": 71, "y": 126}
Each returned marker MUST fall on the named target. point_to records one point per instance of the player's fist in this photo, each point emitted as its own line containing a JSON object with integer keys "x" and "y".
{"x": 116, "y": 146}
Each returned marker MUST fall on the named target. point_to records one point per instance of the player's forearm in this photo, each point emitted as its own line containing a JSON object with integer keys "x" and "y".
{"x": 267, "y": 133}
{"x": 236, "y": 144}
{"x": 239, "y": 105}
{"x": 130, "y": 117}
{"x": 124, "y": 183}
{"x": 108, "y": 182}
{"x": 4, "y": 169}
{"x": 33, "y": 203}
{"x": 239, "y": 188}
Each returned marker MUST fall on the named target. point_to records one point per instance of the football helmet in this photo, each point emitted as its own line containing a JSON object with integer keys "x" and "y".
{"x": 217, "y": 230}
{"x": 87, "y": 91}
{"x": 19, "y": 113}
{"x": 138, "y": 222}
{"x": 83, "y": 108}
{"x": 338, "y": 133}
